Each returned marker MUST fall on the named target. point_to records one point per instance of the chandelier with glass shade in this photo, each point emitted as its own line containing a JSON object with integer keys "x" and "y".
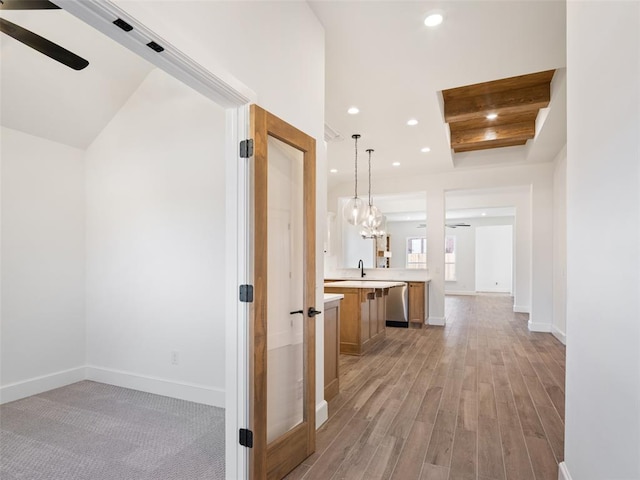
{"x": 373, "y": 216}
{"x": 357, "y": 212}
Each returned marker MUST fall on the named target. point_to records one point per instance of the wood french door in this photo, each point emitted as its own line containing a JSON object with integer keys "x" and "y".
{"x": 282, "y": 328}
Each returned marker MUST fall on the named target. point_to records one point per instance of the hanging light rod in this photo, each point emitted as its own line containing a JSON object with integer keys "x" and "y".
{"x": 373, "y": 216}
{"x": 354, "y": 210}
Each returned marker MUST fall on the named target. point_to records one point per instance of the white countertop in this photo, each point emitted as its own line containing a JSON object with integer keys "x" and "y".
{"x": 364, "y": 284}
{"x": 330, "y": 297}
{"x": 377, "y": 274}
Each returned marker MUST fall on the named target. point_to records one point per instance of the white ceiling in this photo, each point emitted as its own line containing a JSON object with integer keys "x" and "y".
{"x": 481, "y": 213}
{"x": 42, "y": 97}
{"x": 383, "y": 59}
{"x": 379, "y": 56}
{"x": 411, "y": 206}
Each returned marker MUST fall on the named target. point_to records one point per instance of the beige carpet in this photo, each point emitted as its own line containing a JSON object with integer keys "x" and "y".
{"x": 94, "y": 431}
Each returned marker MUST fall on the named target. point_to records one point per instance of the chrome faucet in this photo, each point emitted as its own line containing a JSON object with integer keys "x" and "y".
{"x": 361, "y": 267}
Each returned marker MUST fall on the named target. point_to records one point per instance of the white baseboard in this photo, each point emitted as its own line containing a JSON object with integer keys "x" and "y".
{"x": 322, "y": 413}
{"x": 539, "y": 327}
{"x": 184, "y": 391}
{"x": 460, "y": 292}
{"x": 34, "y": 386}
{"x": 438, "y": 321}
{"x": 520, "y": 309}
{"x": 560, "y": 335}
{"x": 563, "y": 472}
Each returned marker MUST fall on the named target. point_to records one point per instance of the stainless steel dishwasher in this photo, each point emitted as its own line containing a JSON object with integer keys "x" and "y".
{"x": 398, "y": 307}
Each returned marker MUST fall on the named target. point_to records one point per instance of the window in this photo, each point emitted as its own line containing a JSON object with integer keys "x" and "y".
{"x": 416, "y": 252}
{"x": 450, "y": 258}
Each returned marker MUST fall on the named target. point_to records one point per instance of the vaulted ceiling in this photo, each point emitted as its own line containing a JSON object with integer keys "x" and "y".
{"x": 47, "y": 99}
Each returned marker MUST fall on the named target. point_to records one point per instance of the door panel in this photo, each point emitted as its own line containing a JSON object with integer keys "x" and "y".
{"x": 285, "y": 271}
{"x": 282, "y": 336}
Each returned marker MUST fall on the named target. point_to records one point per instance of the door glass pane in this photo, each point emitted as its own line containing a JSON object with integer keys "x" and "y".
{"x": 285, "y": 294}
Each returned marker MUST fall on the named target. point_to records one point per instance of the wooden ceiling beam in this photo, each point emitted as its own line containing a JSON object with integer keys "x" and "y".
{"x": 482, "y": 122}
{"x": 489, "y": 88}
{"x": 508, "y": 102}
{"x": 490, "y": 144}
{"x": 512, "y": 132}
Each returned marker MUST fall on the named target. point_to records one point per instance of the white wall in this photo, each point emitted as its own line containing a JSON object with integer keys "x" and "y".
{"x": 399, "y": 232}
{"x": 435, "y": 257}
{"x": 465, "y": 282}
{"x": 43, "y": 218}
{"x": 465, "y": 238}
{"x": 155, "y": 244}
{"x": 560, "y": 247}
{"x": 494, "y": 258}
{"x": 541, "y": 316}
{"x": 356, "y": 248}
{"x": 602, "y": 435}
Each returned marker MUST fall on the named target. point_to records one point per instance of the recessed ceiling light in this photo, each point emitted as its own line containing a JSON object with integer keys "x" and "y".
{"x": 353, "y": 110}
{"x": 396, "y": 164}
{"x": 433, "y": 20}
{"x": 333, "y": 170}
{"x": 492, "y": 116}
{"x": 484, "y": 214}
{"x": 411, "y": 122}
{"x": 490, "y": 134}
{"x": 425, "y": 149}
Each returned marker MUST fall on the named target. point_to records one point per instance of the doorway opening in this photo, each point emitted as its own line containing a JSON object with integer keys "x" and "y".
{"x": 488, "y": 243}
{"x": 140, "y": 214}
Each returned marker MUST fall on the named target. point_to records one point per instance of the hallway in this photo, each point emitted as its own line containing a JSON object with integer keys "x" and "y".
{"x": 482, "y": 398}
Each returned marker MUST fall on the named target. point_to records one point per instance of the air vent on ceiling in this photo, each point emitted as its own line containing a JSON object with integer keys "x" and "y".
{"x": 332, "y": 135}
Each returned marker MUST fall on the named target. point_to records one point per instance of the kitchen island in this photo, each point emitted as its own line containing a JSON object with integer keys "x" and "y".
{"x": 417, "y": 281}
{"x": 363, "y": 313}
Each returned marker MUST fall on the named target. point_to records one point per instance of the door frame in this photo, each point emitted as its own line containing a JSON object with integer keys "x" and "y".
{"x": 220, "y": 86}
{"x": 299, "y": 441}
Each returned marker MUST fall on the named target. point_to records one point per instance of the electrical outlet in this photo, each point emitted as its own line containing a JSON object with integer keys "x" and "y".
{"x": 175, "y": 358}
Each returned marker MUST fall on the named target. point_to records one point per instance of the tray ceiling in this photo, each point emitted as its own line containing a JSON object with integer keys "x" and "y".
{"x": 500, "y": 113}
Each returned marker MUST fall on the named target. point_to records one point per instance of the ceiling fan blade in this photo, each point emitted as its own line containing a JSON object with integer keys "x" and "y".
{"x": 27, "y": 5}
{"x": 43, "y": 45}
{"x": 456, "y": 225}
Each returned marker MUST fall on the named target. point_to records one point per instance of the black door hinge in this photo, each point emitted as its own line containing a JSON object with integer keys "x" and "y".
{"x": 118, "y": 22}
{"x": 246, "y": 438}
{"x": 246, "y": 148}
{"x": 246, "y": 293}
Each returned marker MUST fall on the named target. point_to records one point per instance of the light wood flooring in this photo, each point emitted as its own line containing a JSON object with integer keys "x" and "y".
{"x": 482, "y": 399}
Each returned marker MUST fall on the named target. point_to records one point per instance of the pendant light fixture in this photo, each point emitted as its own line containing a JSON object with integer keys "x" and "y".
{"x": 373, "y": 216}
{"x": 377, "y": 232}
{"x": 354, "y": 210}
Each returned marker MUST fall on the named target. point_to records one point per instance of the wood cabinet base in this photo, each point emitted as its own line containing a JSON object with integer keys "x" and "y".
{"x": 331, "y": 349}
{"x": 362, "y": 318}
